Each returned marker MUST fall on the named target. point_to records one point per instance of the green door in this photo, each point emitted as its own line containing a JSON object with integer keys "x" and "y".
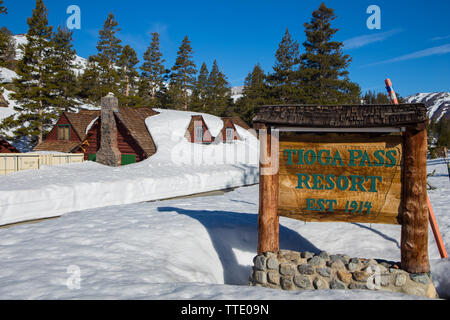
{"x": 128, "y": 159}
{"x": 92, "y": 157}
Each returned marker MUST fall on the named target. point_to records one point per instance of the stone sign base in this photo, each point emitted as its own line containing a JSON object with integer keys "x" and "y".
{"x": 290, "y": 270}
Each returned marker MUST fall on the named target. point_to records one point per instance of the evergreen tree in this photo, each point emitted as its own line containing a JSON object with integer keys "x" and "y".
{"x": 199, "y": 95}
{"x": 109, "y": 49}
{"x": 63, "y": 82}
{"x": 182, "y": 78}
{"x": 218, "y": 92}
{"x": 371, "y": 97}
{"x": 128, "y": 74}
{"x": 323, "y": 66}
{"x": 152, "y": 87}
{"x": 88, "y": 82}
{"x": 2, "y": 8}
{"x": 284, "y": 82}
{"x": 7, "y": 48}
{"x": 33, "y": 86}
{"x": 255, "y": 93}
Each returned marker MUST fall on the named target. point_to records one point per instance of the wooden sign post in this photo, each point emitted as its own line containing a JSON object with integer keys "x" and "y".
{"x": 362, "y": 164}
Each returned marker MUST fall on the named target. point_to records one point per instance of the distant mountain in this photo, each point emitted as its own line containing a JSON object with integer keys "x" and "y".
{"x": 438, "y": 103}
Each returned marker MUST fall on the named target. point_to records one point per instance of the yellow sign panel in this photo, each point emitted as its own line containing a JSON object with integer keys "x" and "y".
{"x": 340, "y": 177}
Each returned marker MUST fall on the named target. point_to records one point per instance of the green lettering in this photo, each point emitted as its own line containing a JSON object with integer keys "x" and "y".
{"x": 337, "y": 157}
{"x": 365, "y": 161}
{"x": 339, "y": 184}
{"x": 380, "y": 159}
{"x": 303, "y": 179}
{"x": 327, "y": 157}
{"x": 310, "y": 205}
{"x": 313, "y": 157}
{"x": 300, "y": 157}
{"x": 289, "y": 156}
{"x": 316, "y": 181}
{"x": 329, "y": 179}
{"x": 354, "y": 155}
{"x": 373, "y": 182}
{"x": 357, "y": 181}
{"x": 390, "y": 157}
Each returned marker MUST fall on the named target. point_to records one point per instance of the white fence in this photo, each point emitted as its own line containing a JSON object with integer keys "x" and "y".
{"x": 13, "y": 162}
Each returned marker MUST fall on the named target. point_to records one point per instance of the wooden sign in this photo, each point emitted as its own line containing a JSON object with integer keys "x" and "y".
{"x": 340, "y": 177}
{"x": 345, "y": 163}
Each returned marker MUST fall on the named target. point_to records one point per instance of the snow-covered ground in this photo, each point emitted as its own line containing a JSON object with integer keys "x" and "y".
{"x": 178, "y": 168}
{"x": 192, "y": 248}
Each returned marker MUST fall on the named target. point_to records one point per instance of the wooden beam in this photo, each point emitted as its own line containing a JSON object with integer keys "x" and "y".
{"x": 268, "y": 220}
{"x": 414, "y": 235}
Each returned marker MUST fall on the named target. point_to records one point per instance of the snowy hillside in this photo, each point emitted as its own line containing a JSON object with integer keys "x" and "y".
{"x": 438, "y": 103}
{"x": 178, "y": 168}
{"x": 197, "y": 248}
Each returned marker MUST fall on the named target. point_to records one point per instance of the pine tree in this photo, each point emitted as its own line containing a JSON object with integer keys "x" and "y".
{"x": 323, "y": 66}
{"x": 7, "y": 48}
{"x": 218, "y": 92}
{"x": 128, "y": 75}
{"x": 33, "y": 86}
{"x": 182, "y": 78}
{"x": 199, "y": 95}
{"x": 371, "y": 97}
{"x": 63, "y": 81}
{"x": 152, "y": 87}
{"x": 109, "y": 49}
{"x": 88, "y": 82}
{"x": 284, "y": 82}
{"x": 2, "y": 8}
{"x": 255, "y": 93}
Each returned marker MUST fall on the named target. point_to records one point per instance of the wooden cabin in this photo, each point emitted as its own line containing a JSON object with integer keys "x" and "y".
{"x": 134, "y": 141}
{"x": 6, "y": 147}
{"x": 81, "y": 133}
{"x": 228, "y": 132}
{"x": 69, "y": 132}
{"x": 197, "y": 131}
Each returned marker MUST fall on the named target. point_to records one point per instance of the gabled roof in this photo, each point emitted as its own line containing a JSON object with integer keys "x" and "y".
{"x": 241, "y": 123}
{"x": 134, "y": 121}
{"x": 81, "y": 120}
{"x": 222, "y": 134}
{"x": 6, "y": 146}
{"x": 57, "y": 145}
{"x": 207, "y": 137}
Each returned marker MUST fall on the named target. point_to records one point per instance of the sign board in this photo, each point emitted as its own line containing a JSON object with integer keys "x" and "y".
{"x": 340, "y": 177}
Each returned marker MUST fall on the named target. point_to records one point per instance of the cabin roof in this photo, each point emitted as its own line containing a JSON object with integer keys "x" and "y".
{"x": 4, "y": 144}
{"x": 342, "y": 116}
{"x": 81, "y": 120}
{"x": 134, "y": 121}
{"x": 57, "y": 145}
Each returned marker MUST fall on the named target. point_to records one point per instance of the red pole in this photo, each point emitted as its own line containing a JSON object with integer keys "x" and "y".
{"x": 431, "y": 217}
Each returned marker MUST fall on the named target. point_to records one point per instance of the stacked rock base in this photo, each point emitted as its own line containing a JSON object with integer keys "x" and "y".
{"x": 290, "y": 270}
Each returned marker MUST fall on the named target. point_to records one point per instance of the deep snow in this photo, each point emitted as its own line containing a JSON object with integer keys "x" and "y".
{"x": 192, "y": 248}
{"x": 178, "y": 168}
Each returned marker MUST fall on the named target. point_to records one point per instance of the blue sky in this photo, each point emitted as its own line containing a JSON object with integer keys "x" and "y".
{"x": 412, "y": 47}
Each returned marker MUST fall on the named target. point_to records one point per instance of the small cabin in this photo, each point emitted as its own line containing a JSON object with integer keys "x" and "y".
{"x": 228, "y": 132}
{"x": 81, "y": 133}
{"x": 197, "y": 131}
{"x": 6, "y": 147}
{"x": 68, "y": 132}
{"x": 134, "y": 141}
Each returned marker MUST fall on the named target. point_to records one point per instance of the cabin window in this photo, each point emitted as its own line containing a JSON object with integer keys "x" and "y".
{"x": 63, "y": 132}
{"x": 229, "y": 134}
{"x": 198, "y": 134}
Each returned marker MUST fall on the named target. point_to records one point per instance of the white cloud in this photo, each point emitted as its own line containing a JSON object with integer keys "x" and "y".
{"x": 440, "y": 38}
{"x": 416, "y": 55}
{"x": 361, "y": 41}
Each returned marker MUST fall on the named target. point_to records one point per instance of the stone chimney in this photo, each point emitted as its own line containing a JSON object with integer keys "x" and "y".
{"x": 109, "y": 153}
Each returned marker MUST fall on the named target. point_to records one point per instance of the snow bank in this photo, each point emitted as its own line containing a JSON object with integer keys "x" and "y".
{"x": 193, "y": 248}
{"x": 7, "y": 75}
{"x": 178, "y": 168}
